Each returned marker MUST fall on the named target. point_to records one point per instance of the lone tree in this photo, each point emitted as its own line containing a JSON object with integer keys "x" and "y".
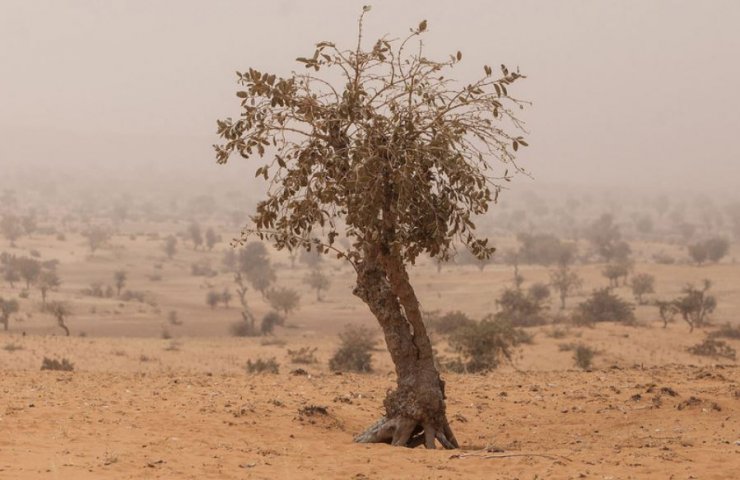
{"x": 317, "y": 280}
{"x": 119, "y": 278}
{"x": 401, "y": 158}
{"x": 60, "y": 311}
{"x": 642, "y": 284}
{"x": 7, "y": 308}
{"x": 565, "y": 281}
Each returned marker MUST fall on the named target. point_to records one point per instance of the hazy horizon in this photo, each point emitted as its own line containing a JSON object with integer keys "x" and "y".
{"x": 624, "y": 93}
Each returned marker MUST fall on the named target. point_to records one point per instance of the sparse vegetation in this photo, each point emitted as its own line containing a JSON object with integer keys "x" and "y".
{"x": 711, "y": 347}
{"x": 642, "y": 284}
{"x": 355, "y": 350}
{"x": 304, "y": 355}
{"x": 485, "y": 344}
{"x": 263, "y": 366}
{"x": 62, "y": 365}
{"x": 604, "y": 306}
{"x": 583, "y": 356}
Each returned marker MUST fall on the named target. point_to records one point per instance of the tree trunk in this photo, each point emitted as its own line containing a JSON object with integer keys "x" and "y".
{"x": 415, "y": 410}
{"x": 61, "y": 323}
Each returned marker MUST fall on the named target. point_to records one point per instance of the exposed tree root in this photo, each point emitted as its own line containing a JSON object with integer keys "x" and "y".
{"x": 405, "y": 432}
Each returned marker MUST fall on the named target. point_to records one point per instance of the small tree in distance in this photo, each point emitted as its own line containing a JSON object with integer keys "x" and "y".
{"x": 7, "y": 308}
{"x": 397, "y": 155}
{"x": 642, "y": 284}
{"x": 119, "y": 279}
{"x": 565, "y": 281}
{"x": 318, "y": 281}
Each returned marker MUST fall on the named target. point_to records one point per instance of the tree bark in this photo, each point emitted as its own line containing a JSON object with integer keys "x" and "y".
{"x": 415, "y": 412}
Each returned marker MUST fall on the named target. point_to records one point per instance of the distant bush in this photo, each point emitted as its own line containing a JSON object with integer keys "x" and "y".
{"x": 711, "y": 347}
{"x": 244, "y": 329}
{"x": 54, "y": 364}
{"x": 663, "y": 259}
{"x": 270, "y": 321}
{"x": 283, "y": 299}
{"x": 583, "y": 356}
{"x": 482, "y": 346}
{"x": 604, "y": 306}
{"x": 449, "y": 322}
{"x": 523, "y": 309}
{"x": 727, "y": 331}
{"x": 544, "y": 249}
{"x": 642, "y": 284}
{"x": 354, "y": 353}
{"x": 304, "y": 355}
{"x": 202, "y": 268}
{"x": 696, "y": 304}
{"x": 713, "y": 249}
{"x": 263, "y": 366}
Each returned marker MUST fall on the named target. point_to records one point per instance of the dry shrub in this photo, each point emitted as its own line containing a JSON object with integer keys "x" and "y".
{"x": 62, "y": 365}
{"x": 727, "y": 331}
{"x": 711, "y": 347}
{"x": 354, "y": 353}
{"x": 604, "y": 306}
{"x": 263, "y": 366}
{"x": 304, "y": 355}
{"x": 449, "y": 322}
{"x": 482, "y": 346}
{"x": 583, "y": 355}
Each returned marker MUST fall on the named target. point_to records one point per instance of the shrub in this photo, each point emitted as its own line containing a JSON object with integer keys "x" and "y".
{"x": 521, "y": 309}
{"x": 243, "y": 329}
{"x": 354, "y": 353}
{"x": 283, "y": 299}
{"x": 304, "y": 355}
{"x": 269, "y": 321}
{"x": 711, "y": 347}
{"x": 662, "y": 258}
{"x": 696, "y": 305}
{"x": 54, "y": 364}
{"x": 604, "y": 306}
{"x": 202, "y": 268}
{"x": 583, "y": 356}
{"x": 727, "y": 331}
{"x": 642, "y": 284}
{"x": 483, "y": 345}
{"x": 263, "y": 366}
{"x": 449, "y": 322}
{"x": 712, "y": 249}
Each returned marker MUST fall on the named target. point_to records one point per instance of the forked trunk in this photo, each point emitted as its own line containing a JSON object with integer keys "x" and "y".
{"x": 415, "y": 410}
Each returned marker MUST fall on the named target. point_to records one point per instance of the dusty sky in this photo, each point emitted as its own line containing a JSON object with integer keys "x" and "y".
{"x": 639, "y": 92}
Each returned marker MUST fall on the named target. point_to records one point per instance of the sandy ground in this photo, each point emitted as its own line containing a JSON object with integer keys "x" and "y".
{"x": 142, "y": 406}
{"x": 661, "y": 422}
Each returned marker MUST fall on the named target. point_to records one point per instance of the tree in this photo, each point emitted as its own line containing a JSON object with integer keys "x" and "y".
{"x": 195, "y": 235}
{"x": 119, "y": 280}
{"x": 60, "y": 311}
{"x": 604, "y": 306}
{"x": 48, "y": 280}
{"x": 642, "y": 283}
{"x": 7, "y": 308}
{"x": 213, "y": 298}
{"x": 211, "y": 238}
{"x": 11, "y": 228}
{"x": 96, "y": 237}
{"x": 399, "y": 157}
{"x": 226, "y": 297}
{"x": 696, "y": 304}
{"x": 565, "y": 281}
{"x": 318, "y": 281}
{"x": 170, "y": 246}
{"x": 712, "y": 249}
{"x": 545, "y": 249}
{"x": 29, "y": 270}
{"x": 283, "y": 300}
{"x": 615, "y": 271}
{"x": 9, "y": 269}
{"x": 604, "y": 236}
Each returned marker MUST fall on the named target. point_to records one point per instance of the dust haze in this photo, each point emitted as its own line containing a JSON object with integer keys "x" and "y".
{"x": 599, "y": 338}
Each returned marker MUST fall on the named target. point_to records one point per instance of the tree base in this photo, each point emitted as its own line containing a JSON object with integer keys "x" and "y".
{"x": 405, "y": 432}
